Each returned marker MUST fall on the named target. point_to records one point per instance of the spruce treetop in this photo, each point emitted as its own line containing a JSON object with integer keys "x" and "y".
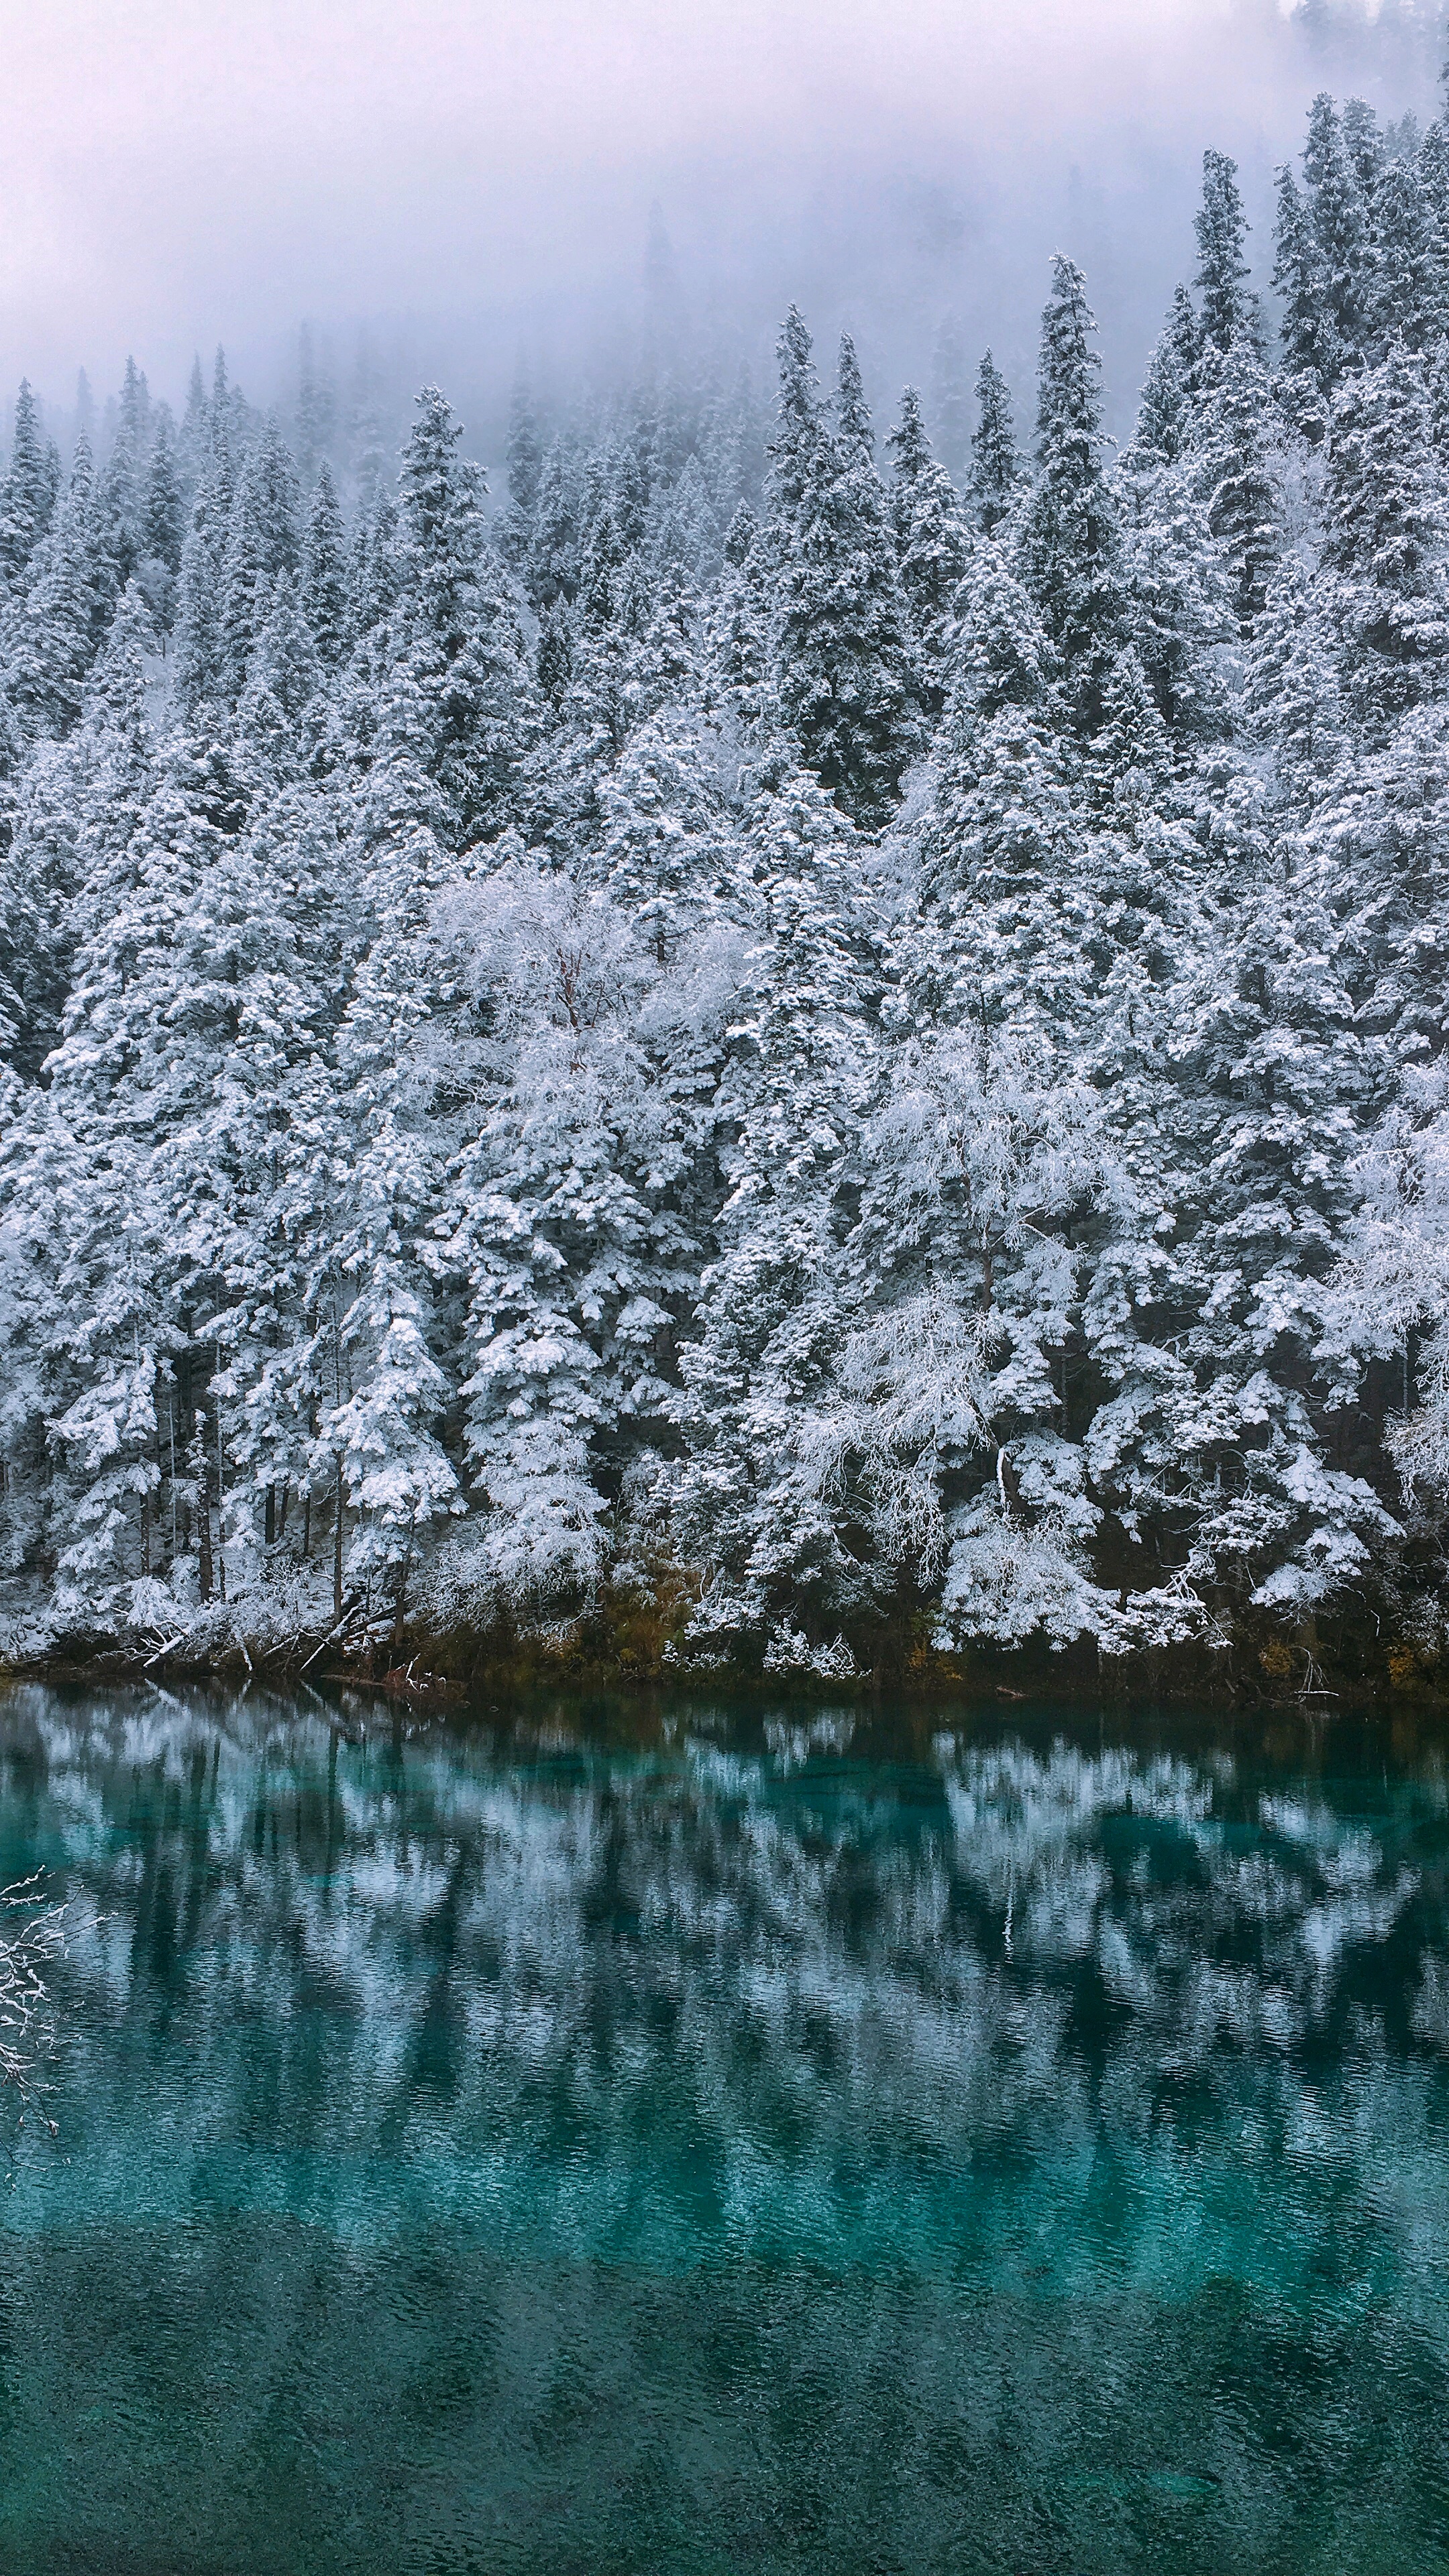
{"x": 1221, "y": 228}
{"x": 998, "y": 475}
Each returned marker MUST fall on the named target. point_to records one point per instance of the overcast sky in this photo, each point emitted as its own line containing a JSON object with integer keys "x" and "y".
{"x": 181, "y": 170}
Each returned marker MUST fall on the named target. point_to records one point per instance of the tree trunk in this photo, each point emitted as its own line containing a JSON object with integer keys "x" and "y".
{"x": 203, "y": 1509}
{"x": 399, "y": 1607}
{"x": 220, "y": 1496}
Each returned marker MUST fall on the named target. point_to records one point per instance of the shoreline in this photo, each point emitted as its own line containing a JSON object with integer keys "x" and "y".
{"x": 1347, "y": 1670}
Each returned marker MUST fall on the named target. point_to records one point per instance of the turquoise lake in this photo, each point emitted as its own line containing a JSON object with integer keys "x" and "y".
{"x": 601, "y": 2138}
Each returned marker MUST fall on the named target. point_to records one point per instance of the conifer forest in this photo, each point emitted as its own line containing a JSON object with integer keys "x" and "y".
{"x": 793, "y": 1043}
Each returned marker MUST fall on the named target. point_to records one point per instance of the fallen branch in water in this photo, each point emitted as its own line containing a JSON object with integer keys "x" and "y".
{"x": 27, "y": 2034}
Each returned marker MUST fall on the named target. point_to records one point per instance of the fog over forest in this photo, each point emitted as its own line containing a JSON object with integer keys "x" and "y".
{"x": 457, "y": 190}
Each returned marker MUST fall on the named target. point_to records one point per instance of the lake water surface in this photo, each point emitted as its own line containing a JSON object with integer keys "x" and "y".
{"x": 687, "y": 2139}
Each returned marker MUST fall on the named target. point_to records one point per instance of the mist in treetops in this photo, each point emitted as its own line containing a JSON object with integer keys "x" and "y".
{"x": 833, "y": 1023}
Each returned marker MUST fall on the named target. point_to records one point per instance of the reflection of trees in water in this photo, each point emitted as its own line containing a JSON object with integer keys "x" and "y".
{"x": 707, "y": 1968}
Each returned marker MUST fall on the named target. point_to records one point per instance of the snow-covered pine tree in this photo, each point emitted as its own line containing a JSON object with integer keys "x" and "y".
{"x": 28, "y": 491}
{"x": 739, "y": 622}
{"x": 121, "y": 483}
{"x": 1229, "y": 310}
{"x": 997, "y": 479}
{"x": 324, "y": 588}
{"x": 844, "y": 671}
{"x": 1312, "y": 352}
{"x": 38, "y": 876}
{"x": 1340, "y": 226}
{"x": 1237, "y": 474}
{"x": 1178, "y": 606}
{"x": 372, "y": 570}
{"x": 755, "y": 1497}
{"x": 162, "y": 523}
{"x": 994, "y": 929}
{"x": 574, "y": 1216}
{"x": 932, "y": 543}
{"x": 1229, "y": 1430}
{"x": 1384, "y": 538}
{"x": 1407, "y": 299}
{"x": 986, "y": 1161}
{"x": 53, "y": 634}
{"x": 553, "y": 554}
{"x": 1070, "y": 540}
{"x": 452, "y": 684}
{"x": 261, "y": 541}
{"x": 1365, "y": 150}
{"x": 1293, "y": 702}
{"x": 1169, "y": 385}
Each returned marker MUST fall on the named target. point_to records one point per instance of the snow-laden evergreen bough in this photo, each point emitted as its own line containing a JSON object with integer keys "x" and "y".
{"x": 852, "y": 1055}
